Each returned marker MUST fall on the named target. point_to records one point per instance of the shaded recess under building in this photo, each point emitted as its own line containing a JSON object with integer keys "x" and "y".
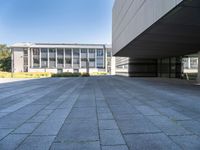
{"x": 155, "y": 35}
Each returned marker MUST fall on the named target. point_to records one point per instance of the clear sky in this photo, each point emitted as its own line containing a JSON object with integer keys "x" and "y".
{"x": 69, "y": 21}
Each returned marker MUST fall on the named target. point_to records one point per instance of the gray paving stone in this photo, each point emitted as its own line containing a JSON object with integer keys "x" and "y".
{"x": 111, "y": 137}
{"x": 53, "y": 123}
{"x": 103, "y": 110}
{"x": 127, "y": 109}
{"x": 12, "y": 141}
{"x": 45, "y": 112}
{"x": 107, "y": 124}
{"x": 173, "y": 114}
{"x": 138, "y": 124}
{"x": 37, "y": 143}
{"x": 191, "y": 125}
{"x": 4, "y": 132}
{"x": 150, "y": 141}
{"x": 118, "y": 99}
{"x": 103, "y": 116}
{"x": 76, "y": 146}
{"x": 82, "y": 113}
{"x": 78, "y": 131}
{"x": 116, "y": 147}
{"x": 168, "y": 126}
{"x": 146, "y": 110}
{"x": 38, "y": 118}
{"x": 191, "y": 142}
{"x": 3, "y": 114}
{"x": 49, "y": 128}
{"x": 26, "y": 128}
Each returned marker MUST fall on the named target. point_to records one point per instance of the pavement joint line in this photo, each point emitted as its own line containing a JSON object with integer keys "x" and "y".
{"x": 32, "y": 117}
{"x": 113, "y": 118}
{"x": 42, "y": 121}
{"x": 75, "y": 100}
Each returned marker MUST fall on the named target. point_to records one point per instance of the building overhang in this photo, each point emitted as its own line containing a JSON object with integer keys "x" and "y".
{"x": 175, "y": 34}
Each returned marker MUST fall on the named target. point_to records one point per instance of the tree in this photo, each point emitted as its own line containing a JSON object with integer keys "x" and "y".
{"x": 5, "y": 58}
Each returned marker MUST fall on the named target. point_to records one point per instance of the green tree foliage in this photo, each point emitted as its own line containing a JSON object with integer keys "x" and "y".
{"x": 5, "y": 58}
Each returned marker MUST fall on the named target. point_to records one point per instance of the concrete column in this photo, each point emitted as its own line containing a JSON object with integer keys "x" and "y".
{"x": 189, "y": 66}
{"x": 56, "y": 59}
{"x": 95, "y": 58}
{"x": 40, "y": 58}
{"x": 31, "y": 50}
{"x": 64, "y": 58}
{"x": 79, "y": 58}
{"x": 29, "y": 60}
{"x": 198, "y": 77}
{"x": 48, "y": 58}
{"x": 87, "y": 63}
{"x": 72, "y": 57}
{"x": 105, "y": 60}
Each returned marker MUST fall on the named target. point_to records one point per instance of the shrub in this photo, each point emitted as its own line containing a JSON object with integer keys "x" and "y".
{"x": 66, "y": 74}
{"x": 85, "y": 74}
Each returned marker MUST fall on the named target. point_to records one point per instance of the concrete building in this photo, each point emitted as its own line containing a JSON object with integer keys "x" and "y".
{"x": 58, "y": 58}
{"x": 154, "y": 36}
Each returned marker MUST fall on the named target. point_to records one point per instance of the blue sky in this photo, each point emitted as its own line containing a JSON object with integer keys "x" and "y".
{"x": 69, "y": 21}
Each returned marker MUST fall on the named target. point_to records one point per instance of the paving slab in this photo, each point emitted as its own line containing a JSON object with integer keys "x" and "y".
{"x": 111, "y": 137}
{"x": 37, "y": 143}
{"x": 150, "y": 141}
{"x": 187, "y": 142}
{"x": 12, "y": 141}
{"x": 76, "y": 146}
{"x": 99, "y": 113}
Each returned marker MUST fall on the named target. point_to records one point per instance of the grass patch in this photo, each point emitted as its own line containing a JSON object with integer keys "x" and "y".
{"x": 47, "y": 74}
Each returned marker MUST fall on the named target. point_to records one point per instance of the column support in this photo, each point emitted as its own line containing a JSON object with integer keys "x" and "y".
{"x": 189, "y": 66}
{"x": 79, "y": 58}
{"x": 96, "y": 58}
{"x": 198, "y": 77}
{"x": 40, "y": 58}
{"x": 105, "y": 60}
{"x": 64, "y": 58}
{"x": 56, "y": 59}
{"x": 72, "y": 50}
{"x": 47, "y": 57}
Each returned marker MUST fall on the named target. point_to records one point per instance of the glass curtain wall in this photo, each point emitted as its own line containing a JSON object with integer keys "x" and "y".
{"x": 60, "y": 57}
{"x": 100, "y": 58}
{"x": 83, "y": 58}
{"x": 92, "y": 58}
{"x": 44, "y": 57}
{"x": 25, "y": 59}
{"x": 52, "y": 58}
{"x": 36, "y": 57}
{"x": 68, "y": 58}
{"x": 76, "y": 58}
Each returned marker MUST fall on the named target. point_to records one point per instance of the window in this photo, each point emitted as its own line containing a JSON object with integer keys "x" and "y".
{"x": 36, "y": 58}
{"x": 91, "y": 58}
{"x": 60, "y": 57}
{"x": 68, "y": 58}
{"x": 44, "y": 57}
{"x": 109, "y": 54}
{"x": 52, "y": 58}
{"x": 25, "y": 59}
{"x": 194, "y": 63}
{"x": 100, "y": 58}
{"x": 92, "y": 62}
{"x": 83, "y": 58}
{"x": 76, "y": 58}
{"x": 99, "y": 52}
{"x": 25, "y": 51}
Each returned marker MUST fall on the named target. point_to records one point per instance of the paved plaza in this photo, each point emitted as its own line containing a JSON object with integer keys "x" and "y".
{"x": 99, "y": 113}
